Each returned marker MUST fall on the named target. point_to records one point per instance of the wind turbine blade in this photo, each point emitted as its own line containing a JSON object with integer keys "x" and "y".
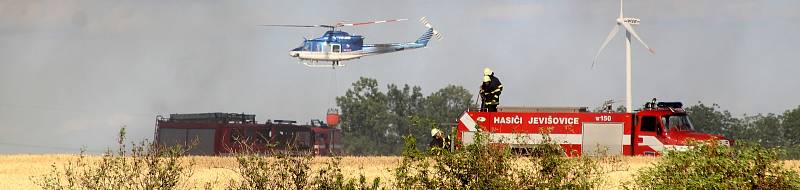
{"x": 633, "y": 33}
{"x": 608, "y": 39}
{"x": 620, "y": 9}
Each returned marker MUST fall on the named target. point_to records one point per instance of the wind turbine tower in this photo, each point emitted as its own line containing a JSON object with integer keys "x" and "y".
{"x": 627, "y": 24}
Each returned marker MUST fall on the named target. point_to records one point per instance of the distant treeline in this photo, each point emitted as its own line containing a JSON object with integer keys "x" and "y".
{"x": 770, "y": 130}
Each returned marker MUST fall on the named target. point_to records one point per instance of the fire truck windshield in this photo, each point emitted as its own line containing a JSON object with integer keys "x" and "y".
{"x": 677, "y": 123}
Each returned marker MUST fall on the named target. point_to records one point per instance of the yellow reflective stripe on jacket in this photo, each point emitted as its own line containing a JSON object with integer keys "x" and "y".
{"x": 498, "y": 89}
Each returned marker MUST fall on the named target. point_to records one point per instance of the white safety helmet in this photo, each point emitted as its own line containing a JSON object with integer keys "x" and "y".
{"x": 487, "y": 71}
{"x": 434, "y": 131}
{"x": 486, "y": 79}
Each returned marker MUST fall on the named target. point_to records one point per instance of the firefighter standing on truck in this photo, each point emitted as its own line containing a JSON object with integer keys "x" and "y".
{"x": 490, "y": 91}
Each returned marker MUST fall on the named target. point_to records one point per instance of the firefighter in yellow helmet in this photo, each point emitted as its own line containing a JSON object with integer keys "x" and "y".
{"x": 490, "y": 91}
{"x": 439, "y": 140}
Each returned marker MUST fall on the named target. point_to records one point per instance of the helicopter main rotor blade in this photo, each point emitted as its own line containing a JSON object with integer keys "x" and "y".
{"x": 302, "y": 26}
{"x": 365, "y": 23}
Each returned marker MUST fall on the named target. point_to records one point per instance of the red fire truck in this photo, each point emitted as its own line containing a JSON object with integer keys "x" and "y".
{"x": 649, "y": 131}
{"x": 225, "y": 133}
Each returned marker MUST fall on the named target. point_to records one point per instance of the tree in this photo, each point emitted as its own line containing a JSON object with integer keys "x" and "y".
{"x": 768, "y": 130}
{"x": 763, "y": 129}
{"x": 441, "y": 107}
{"x": 790, "y": 121}
{"x": 709, "y": 119}
{"x": 446, "y": 104}
{"x": 403, "y": 105}
{"x": 364, "y": 115}
{"x": 374, "y": 122}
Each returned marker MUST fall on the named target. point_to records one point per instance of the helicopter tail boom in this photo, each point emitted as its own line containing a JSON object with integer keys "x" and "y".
{"x": 421, "y": 42}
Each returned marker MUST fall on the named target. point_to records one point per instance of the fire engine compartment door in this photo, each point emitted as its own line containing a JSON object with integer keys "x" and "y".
{"x": 172, "y": 137}
{"x": 602, "y": 139}
{"x": 205, "y": 141}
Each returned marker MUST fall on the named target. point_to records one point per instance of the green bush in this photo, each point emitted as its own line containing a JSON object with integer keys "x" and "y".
{"x": 280, "y": 170}
{"x": 272, "y": 172}
{"x": 710, "y": 166}
{"x": 144, "y": 166}
{"x": 791, "y": 152}
{"x": 487, "y": 166}
{"x": 331, "y": 177}
{"x": 550, "y": 169}
{"x": 477, "y": 166}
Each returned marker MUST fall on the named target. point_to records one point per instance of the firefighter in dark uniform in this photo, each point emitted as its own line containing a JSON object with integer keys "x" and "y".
{"x": 490, "y": 91}
{"x": 439, "y": 140}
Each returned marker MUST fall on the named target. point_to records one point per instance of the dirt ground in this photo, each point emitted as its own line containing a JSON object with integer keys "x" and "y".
{"x": 16, "y": 170}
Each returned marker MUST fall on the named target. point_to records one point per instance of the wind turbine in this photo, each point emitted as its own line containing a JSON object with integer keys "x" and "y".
{"x": 627, "y": 24}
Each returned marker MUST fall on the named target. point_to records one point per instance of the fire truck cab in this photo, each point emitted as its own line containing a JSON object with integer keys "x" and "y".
{"x": 649, "y": 131}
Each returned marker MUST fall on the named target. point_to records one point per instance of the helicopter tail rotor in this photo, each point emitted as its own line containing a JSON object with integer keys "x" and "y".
{"x": 435, "y": 33}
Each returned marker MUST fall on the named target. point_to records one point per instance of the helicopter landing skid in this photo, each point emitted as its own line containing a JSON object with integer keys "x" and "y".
{"x": 314, "y": 64}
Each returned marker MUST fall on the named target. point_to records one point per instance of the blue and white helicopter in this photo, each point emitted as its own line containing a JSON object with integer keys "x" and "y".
{"x": 336, "y": 45}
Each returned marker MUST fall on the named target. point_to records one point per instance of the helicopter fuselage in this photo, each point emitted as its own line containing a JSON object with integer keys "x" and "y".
{"x": 337, "y": 46}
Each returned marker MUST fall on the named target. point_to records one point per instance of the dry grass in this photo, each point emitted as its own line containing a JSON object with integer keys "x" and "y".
{"x": 16, "y": 170}
{"x": 220, "y": 170}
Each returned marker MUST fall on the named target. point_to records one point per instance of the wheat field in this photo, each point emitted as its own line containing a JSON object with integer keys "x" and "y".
{"x": 16, "y": 170}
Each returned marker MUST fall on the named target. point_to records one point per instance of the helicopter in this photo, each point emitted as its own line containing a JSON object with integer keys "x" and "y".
{"x": 336, "y": 45}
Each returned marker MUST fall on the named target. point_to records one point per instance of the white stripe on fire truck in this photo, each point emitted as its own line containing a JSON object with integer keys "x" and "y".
{"x": 518, "y": 138}
{"x": 468, "y": 122}
{"x": 652, "y": 142}
{"x": 626, "y": 139}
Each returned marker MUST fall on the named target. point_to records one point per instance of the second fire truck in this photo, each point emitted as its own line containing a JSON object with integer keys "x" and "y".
{"x": 649, "y": 131}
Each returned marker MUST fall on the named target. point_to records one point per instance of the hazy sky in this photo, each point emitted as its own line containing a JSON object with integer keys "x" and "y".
{"x": 73, "y": 72}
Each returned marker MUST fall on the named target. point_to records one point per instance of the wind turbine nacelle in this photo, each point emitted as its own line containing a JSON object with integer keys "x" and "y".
{"x": 632, "y": 21}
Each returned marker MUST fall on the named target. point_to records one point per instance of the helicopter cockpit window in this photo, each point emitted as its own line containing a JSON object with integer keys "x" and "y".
{"x": 317, "y": 47}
